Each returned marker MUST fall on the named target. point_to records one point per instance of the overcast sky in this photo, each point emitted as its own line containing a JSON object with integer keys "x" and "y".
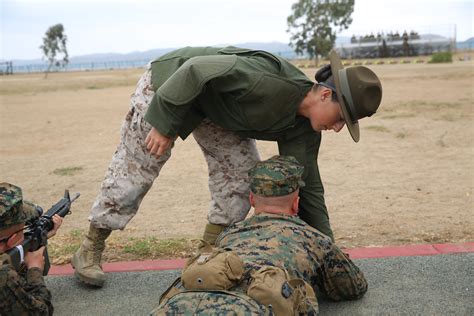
{"x": 122, "y": 26}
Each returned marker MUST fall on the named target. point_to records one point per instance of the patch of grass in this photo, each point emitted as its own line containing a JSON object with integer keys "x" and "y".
{"x": 151, "y": 247}
{"x": 76, "y": 233}
{"x": 449, "y": 118}
{"x": 61, "y": 248}
{"x": 93, "y": 88}
{"x": 442, "y": 57}
{"x": 67, "y": 249}
{"x": 432, "y": 104}
{"x": 378, "y": 128}
{"x": 69, "y": 171}
{"x": 396, "y": 116}
{"x": 401, "y": 135}
{"x": 444, "y": 104}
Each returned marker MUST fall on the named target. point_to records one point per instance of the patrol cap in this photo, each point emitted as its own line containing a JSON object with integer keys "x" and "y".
{"x": 277, "y": 176}
{"x": 13, "y": 210}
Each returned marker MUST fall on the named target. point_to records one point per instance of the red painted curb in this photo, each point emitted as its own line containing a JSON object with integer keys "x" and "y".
{"x": 410, "y": 250}
{"x": 355, "y": 253}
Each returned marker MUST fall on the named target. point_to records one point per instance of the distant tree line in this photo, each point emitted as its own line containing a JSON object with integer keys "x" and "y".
{"x": 313, "y": 25}
{"x": 381, "y": 36}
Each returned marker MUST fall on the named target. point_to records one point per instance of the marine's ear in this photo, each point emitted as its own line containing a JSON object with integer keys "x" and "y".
{"x": 295, "y": 205}
{"x": 252, "y": 199}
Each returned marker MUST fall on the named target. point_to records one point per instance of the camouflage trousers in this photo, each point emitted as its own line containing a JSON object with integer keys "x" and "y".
{"x": 210, "y": 303}
{"x": 132, "y": 169}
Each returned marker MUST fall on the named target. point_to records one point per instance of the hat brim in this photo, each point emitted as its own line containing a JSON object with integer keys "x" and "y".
{"x": 30, "y": 210}
{"x": 336, "y": 65}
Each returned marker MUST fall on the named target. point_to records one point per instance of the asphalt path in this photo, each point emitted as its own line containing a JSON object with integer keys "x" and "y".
{"x": 417, "y": 285}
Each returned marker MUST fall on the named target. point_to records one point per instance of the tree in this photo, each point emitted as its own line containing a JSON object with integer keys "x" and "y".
{"x": 314, "y": 23}
{"x": 54, "y": 44}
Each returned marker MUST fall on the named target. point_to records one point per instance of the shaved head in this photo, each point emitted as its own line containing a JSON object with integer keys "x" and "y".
{"x": 285, "y": 204}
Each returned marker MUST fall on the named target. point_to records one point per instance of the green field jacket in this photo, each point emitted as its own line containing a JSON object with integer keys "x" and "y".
{"x": 251, "y": 92}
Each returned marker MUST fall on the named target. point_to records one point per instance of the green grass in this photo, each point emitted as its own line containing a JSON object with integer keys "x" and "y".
{"x": 442, "y": 57}
{"x": 151, "y": 247}
{"x": 76, "y": 233}
{"x": 61, "y": 248}
{"x": 378, "y": 128}
{"x": 69, "y": 171}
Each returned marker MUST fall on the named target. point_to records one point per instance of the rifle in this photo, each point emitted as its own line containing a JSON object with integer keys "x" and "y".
{"x": 36, "y": 232}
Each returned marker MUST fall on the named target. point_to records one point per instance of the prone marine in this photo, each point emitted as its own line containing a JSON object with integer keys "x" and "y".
{"x": 269, "y": 263}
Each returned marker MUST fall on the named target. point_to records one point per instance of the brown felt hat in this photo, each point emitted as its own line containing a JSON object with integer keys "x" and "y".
{"x": 358, "y": 90}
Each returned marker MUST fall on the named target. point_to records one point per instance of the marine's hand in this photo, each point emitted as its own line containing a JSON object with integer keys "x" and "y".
{"x": 156, "y": 143}
{"x": 35, "y": 259}
{"x": 57, "y": 220}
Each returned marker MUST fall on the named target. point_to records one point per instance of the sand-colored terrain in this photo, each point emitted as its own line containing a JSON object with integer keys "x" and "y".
{"x": 409, "y": 180}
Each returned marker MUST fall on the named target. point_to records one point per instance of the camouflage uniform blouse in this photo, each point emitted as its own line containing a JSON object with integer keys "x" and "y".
{"x": 287, "y": 241}
{"x": 251, "y": 92}
{"x": 23, "y": 295}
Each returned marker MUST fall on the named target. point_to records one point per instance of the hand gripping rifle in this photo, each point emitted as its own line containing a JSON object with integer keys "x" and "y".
{"x": 36, "y": 232}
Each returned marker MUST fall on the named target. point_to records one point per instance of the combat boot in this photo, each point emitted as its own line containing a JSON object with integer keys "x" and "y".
{"x": 87, "y": 260}
{"x": 212, "y": 231}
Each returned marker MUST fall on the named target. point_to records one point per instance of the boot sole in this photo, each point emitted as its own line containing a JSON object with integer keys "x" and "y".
{"x": 89, "y": 281}
{"x": 86, "y": 280}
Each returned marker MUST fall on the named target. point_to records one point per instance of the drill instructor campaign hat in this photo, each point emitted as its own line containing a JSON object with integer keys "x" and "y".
{"x": 358, "y": 90}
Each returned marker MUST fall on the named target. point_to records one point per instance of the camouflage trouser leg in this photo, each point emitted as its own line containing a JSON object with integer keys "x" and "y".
{"x": 132, "y": 169}
{"x": 229, "y": 157}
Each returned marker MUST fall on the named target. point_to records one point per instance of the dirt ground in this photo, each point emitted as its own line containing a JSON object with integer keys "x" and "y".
{"x": 409, "y": 180}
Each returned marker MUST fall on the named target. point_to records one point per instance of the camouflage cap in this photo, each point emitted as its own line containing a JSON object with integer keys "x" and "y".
{"x": 13, "y": 210}
{"x": 277, "y": 176}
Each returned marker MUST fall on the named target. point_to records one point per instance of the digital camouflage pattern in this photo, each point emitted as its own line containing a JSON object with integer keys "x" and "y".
{"x": 133, "y": 169}
{"x": 23, "y": 294}
{"x": 275, "y": 240}
{"x": 277, "y": 176}
{"x": 13, "y": 210}
{"x": 288, "y": 242}
{"x": 211, "y": 303}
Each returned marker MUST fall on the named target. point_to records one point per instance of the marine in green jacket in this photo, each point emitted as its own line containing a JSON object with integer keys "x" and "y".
{"x": 261, "y": 96}
{"x": 227, "y": 98}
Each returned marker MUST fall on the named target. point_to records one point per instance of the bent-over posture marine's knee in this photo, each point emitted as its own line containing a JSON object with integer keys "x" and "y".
{"x": 229, "y": 157}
